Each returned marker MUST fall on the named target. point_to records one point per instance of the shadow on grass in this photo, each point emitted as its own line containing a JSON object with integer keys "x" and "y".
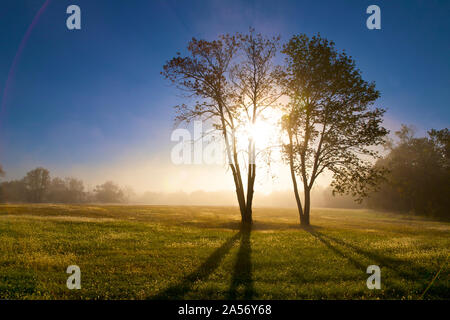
{"x": 319, "y": 236}
{"x": 404, "y": 269}
{"x": 241, "y": 286}
{"x": 397, "y": 265}
{"x": 179, "y": 290}
{"x": 236, "y": 225}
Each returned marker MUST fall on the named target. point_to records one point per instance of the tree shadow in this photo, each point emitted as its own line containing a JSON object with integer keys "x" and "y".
{"x": 319, "y": 236}
{"x": 258, "y": 225}
{"x": 403, "y": 268}
{"x": 397, "y": 265}
{"x": 179, "y": 290}
{"x": 241, "y": 286}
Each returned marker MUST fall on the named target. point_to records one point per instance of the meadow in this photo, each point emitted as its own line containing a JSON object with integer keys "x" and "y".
{"x": 178, "y": 252}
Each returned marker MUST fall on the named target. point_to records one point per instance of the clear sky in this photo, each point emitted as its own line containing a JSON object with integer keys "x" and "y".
{"x": 91, "y": 102}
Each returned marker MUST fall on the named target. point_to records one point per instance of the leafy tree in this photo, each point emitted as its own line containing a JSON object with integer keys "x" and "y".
{"x": 328, "y": 122}
{"x": 233, "y": 79}
{"x": 108, "y": 192}
{"x": 418, "y": 179}
{"x": 2, "y": 172}
{"x": 441, "y": 142}
{"x": 75, "y": 189}
{"x": 68, "y": 190}
{"x": 37, "y": 182}
{"x": 13, "y": 191}
{"x": 57, "y": 191}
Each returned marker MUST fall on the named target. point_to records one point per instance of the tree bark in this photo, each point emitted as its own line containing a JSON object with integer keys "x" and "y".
{"x": 238, "y": 182}
{"x": 305, "y": 221}
{"x": 239, "y": 193}
{"x": 234, "y": 166}
{"x": 294, "y": 180}
{"x": 250, "y": 193}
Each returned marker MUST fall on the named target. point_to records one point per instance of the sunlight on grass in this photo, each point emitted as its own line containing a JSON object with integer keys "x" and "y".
{"x": 148, "y": 252}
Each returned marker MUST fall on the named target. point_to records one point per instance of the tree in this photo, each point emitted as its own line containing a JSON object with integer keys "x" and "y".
{"x": 57, "y": 191}
{"x": 328, "y": 122}
{"x": 13, "y": 191}
{"x": 37, "y": 182}
{"x": 108, "y": 192}
{"x": 441, "y": 142}
{"x": 233, "y": 79}
{"x": 2, "y": 172}
{"x": 75, "y": 190}
{"x": 69, "y": 190}
{"x": 418, "y": 178}
{"x": 128, "y": 194}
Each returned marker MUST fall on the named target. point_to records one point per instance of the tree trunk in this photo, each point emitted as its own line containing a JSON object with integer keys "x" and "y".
{"x": 294, "y": 181}
{"x": 297, "y": 196}
{"x": 250, "y": 192}
{"x": 251, "y": 174}
{"x": 239, "y": 193}
{"x": 305, "y": 220}
{"x": 234, "y": 166}
{"x": 245, "y": 205}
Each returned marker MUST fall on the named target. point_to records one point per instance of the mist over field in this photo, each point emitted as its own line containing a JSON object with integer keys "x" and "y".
{"x": 321, "y": 197}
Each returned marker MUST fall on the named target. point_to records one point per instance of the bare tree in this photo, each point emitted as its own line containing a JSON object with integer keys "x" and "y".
{"x": 232, "y": 90}
{"x": 329, "y": 122}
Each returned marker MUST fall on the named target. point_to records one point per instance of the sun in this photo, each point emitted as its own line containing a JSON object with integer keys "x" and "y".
{"x": 265, "y": 132}
{"x": 262, "y": 132}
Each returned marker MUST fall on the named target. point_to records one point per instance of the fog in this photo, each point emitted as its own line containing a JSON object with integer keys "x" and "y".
{"x": 321, "y": 197}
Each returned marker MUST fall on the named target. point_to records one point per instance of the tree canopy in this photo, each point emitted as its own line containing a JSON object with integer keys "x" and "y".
{"x": 233, "y": 80}
{"x": 418, "y": 174}
{"x": 329, "y": 119}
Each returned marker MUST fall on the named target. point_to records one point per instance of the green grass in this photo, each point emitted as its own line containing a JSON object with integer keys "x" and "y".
{"x": 155, "y": 252}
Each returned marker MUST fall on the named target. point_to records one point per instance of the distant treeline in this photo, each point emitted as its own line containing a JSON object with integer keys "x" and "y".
{"x": 37, "y": 187}
{"x": 417, "y": 180}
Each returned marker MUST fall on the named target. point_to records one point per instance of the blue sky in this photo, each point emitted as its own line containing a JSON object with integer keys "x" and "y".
{"x": 92, "y": 103}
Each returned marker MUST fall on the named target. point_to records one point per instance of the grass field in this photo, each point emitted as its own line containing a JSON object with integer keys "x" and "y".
{"x": 159, "y": 252}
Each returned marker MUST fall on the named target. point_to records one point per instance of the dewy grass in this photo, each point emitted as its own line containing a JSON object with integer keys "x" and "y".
{"x": 176, "y": 252}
